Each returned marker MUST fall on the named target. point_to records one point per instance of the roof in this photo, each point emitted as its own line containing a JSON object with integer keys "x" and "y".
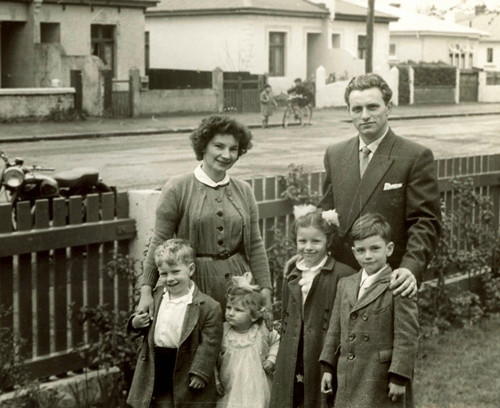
{"x": 414, "y": 23}
{"x": 300, "y": 8}
{"x": 485, "y": 22}
{"x": 344, "y": 10}
{"x": 350, "y": 11}
{"x": 103, "y": 3}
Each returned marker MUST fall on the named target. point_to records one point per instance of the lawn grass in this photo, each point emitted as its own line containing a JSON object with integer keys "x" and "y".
{"x": 460, "y": 368}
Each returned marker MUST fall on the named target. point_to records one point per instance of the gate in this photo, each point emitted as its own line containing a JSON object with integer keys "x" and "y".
{"x": 242, "y": 91}
{"x": 117, "y": 96}
{"x": 469, "y": 83}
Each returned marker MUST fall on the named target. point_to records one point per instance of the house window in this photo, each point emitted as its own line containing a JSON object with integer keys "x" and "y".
{"x": 392, "y": 50}
{"x": 146, "y": 50}
{"x": 335, "y": 40}
{"x": 361, "y": 46}
{"x": 489, "y": 54}
{"x": 103, "y": 44}
{"x": 50, "y": 33}
{"x": 277, "y": 54}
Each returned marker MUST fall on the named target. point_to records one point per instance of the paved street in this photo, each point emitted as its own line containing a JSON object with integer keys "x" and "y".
{"x": 136, "y": 162}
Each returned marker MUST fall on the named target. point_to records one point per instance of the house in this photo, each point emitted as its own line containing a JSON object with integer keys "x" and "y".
{"x": 283, "y": 38}
{"x": 488, "y": 50}
{"x": 43, "y": 42}
{"x": 422, "y": 38}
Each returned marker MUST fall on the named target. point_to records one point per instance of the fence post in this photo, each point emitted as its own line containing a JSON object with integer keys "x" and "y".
{"x": 394, "y": 84}
{"x": 411, "y": 83}
{"x": 481, "y": 86}
{"x": 218, "y": 87}
{"x": 134, "y": 91}
{"x": 320, "y": 86}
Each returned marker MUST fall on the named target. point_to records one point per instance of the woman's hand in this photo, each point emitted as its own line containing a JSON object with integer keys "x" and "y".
{"x": 146, "y": 302}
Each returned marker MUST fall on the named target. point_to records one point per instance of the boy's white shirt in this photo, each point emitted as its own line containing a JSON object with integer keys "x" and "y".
{"x": 170, "y": 319}
{"x": 308, "y": 275}
{"x": 367, "y": 280}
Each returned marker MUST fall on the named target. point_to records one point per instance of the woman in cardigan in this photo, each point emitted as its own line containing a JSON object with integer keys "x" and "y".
{"x": 216, "y": 213}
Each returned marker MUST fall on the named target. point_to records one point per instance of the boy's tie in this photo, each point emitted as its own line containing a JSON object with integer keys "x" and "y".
{"x": 364, "y": 159}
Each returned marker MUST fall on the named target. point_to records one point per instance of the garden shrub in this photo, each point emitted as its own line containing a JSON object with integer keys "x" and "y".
{"x": 115, "y": 348}
{"x": 404, "y": 85}
{"x": 426, "y": 75}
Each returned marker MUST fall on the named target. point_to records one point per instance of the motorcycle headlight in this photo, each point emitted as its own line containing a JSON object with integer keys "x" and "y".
{"x": 13, "y": 177}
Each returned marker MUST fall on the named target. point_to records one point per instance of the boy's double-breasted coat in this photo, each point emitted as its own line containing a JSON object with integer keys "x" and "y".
{"x": 313, "y": 320}
{"x": 197, "y": 354}
{"x": 369, "y": 340}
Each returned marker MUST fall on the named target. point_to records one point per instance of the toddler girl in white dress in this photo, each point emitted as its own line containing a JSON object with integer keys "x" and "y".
{"x": 248, "y": 351}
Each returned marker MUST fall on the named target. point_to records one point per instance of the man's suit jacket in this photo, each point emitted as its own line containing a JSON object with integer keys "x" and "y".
{"x": 400, "y": 183}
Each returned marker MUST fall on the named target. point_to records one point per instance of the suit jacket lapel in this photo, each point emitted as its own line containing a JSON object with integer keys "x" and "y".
{"x": 375, "y": 290}
{"x": 346, "y": 181}
{"x": 374, "y": 174}
{"x": 352, "y": 288}
{"x": 192, "y": 315}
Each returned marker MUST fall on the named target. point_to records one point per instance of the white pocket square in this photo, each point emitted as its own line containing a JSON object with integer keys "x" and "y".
{"x": 395, "y": 186}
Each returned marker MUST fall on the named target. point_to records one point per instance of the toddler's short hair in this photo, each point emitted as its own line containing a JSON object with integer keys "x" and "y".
{"x": 369, "y": 225}
{"x": 174, "y": 251}
{"x": 252, "y": 299}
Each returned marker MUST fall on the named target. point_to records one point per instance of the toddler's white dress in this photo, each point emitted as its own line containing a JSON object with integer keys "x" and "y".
{"x": 245, "y": 382}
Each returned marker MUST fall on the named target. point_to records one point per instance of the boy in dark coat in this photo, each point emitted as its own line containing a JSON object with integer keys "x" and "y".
{"x": 176, "y": 361}
{"x": 372, "y": 340}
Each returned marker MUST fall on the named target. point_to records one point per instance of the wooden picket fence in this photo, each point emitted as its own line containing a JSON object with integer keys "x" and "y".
{"x": 53, "y": 263}
{"x": 54, "y": 260}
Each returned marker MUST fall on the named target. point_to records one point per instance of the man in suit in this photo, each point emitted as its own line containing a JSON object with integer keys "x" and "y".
{"x": 377, "y": 171}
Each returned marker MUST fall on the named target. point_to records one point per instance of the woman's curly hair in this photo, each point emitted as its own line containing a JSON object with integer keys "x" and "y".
{"x": 220, "y": 125}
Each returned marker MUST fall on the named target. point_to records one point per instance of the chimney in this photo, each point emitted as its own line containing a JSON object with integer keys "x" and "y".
{"x": 329, "y": 4}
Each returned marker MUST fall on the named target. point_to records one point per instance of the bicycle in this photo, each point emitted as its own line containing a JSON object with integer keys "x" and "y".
{"x": 302, "y": 115}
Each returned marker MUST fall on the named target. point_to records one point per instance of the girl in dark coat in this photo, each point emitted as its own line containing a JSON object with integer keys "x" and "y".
{"x": 308, "y": 295}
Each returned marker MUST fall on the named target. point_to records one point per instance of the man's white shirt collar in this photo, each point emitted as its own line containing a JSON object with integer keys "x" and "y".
{"x": 203, "y": 177}
{"x": 373, "y": 146}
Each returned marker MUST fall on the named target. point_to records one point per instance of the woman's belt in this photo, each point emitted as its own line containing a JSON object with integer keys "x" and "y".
{"x": 221, "y": 255}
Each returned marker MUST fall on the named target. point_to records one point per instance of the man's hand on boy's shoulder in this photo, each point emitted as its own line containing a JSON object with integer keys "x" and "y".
{"x": 403, "y": 283}
{"x": 141, "y": 320}
{"x": 197, "y": 382}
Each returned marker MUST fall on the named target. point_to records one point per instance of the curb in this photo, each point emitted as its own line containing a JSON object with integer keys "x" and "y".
{"x": 103, "y": 134}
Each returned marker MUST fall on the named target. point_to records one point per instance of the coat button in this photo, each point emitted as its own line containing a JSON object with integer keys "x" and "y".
{"x": 220, "y": 213}
{"x": 350, "y": 356}
{"x": 220, "y": 228}
{"x": 364, "y": 317}
{"x": 366, "y": 337}
{"x": 220, "y": 241}
{"x": 354, "y": 316}
{"x": 351, "y": 337}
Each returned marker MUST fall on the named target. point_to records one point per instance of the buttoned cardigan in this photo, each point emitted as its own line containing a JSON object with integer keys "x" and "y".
{"x": 178, "y": 214}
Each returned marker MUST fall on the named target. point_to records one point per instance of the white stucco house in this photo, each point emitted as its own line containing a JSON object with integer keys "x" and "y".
{"x": 422, "y": 38}
{"x": 488, "y": 50}
{"x": 283, "y": 38}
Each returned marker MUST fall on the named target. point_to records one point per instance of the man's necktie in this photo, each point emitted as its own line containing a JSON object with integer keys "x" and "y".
{"x": 364, "y": 159}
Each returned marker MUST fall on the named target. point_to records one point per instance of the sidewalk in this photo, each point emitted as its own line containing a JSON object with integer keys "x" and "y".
{"x": 107, "y": 127}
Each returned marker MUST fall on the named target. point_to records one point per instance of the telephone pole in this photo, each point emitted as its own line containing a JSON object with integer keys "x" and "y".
{"x": 370, "y": 17}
